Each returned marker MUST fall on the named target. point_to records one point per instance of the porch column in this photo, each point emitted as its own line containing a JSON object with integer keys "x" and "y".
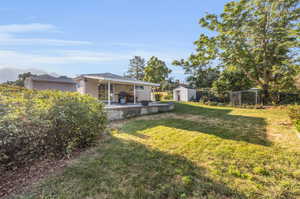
{"x": 134, "y": 94}
{"x": 108, "y": 92}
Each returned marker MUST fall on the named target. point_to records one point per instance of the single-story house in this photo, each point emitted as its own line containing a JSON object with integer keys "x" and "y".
{"x": 184, "y": 93}
{"x": 111, "y": 88}
{"x": 44, "y": 82}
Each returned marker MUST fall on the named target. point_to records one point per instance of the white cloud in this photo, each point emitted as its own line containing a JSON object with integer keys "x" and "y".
{"x": 21, "y": 28}
{"x": 11, "y": 40}
{"x": 17, "y": 58}
{"x": 8, "y": 57}
{"x": 8, "y": 35}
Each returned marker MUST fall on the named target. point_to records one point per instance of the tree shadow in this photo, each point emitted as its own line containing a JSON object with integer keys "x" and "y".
{"x": 212, "y": 112}
{"x": 128, "y": 169}
{"x": 216, "y": 122}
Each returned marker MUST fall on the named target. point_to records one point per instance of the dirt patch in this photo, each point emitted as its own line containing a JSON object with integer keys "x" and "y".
{"x": 13, "y": 182}
{"x": 22, "y": 179}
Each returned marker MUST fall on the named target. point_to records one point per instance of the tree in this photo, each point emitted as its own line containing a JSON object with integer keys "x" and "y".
{"x": 169, "y": 84}
{"x": 136, "y": 68}
{"x": 259, "y": 37}
{"x": 156, "y": 71}
{"x": 200, "y": 72}
{"x": 21, "y": 79}
{"x": 203, "y": 78}
{"x": 231, "y": 79}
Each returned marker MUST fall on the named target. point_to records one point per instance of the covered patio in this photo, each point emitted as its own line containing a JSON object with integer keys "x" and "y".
{"x": 114, "y": 89}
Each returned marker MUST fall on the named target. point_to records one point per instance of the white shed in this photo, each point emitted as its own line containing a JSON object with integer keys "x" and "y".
{"x": 184, "y": 93}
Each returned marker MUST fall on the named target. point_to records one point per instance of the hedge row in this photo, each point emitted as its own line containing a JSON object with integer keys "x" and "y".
{"x": 294, "y": 114}
{"x": 43, "y": 124}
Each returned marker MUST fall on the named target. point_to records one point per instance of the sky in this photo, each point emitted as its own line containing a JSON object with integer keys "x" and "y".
{"x": 94, "y": 36}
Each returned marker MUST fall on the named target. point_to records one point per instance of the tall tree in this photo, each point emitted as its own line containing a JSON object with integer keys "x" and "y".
{"x": 259, "y": 37}
{"x": 231, "y": 79}
{"x": 136, "y": 68}
{"x": 201, "y": 73}
{"x": 156, "y": 71}
{"x": 203, "y": 78}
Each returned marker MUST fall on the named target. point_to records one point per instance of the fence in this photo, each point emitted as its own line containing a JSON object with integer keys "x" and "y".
{"x": 255, "y": 96}
{"x": 206, "y": 95}
{"x": 246, "y": 97}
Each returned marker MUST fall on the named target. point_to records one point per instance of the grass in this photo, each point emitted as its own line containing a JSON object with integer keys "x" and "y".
{"x": 195, "y": 152}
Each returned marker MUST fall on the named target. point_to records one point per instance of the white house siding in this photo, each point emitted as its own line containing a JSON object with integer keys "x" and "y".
{"x": 90, "y": 86}
{"x": 185, "y": 94}
{"x": 28, "y": 83}
{"x": 81, "y": 86}
{"x": 144, "y": 94}
{"x": 43, "y": 85}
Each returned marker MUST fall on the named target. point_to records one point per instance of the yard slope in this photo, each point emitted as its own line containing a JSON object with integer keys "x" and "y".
{"x": 195, "y": 152}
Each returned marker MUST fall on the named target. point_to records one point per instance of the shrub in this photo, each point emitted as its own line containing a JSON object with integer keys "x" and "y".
{"x": 167, "y": 96}
{"x": 40, "y": 124}
{"x": 157, "y": 96}
{"x": 294, "y": 114}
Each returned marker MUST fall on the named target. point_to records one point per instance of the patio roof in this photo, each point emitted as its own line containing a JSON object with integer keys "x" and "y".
{"x": 116, "y": 78}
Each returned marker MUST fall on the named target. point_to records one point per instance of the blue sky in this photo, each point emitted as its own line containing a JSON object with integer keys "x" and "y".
{"x": 74, "y": 37}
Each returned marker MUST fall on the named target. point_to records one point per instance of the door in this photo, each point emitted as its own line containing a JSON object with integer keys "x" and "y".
{"x": 103, "y": 92}
{"x": 178, "y": 95}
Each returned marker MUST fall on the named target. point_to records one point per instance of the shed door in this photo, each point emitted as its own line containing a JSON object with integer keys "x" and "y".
{"x": 177, "y": 95}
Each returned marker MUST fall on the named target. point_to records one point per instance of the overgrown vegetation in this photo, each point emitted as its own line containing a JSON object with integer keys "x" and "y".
{"x": 294, "y": 113}
{"x": 42, "y": 124}
{"x": 259, "y": 38}
{"x": 197, "y": 151}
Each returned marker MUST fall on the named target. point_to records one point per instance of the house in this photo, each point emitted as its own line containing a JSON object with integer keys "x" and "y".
{"x": 111, "y": 88}
{"x": 184, "y": 93}
{"x": 44, "y": 82}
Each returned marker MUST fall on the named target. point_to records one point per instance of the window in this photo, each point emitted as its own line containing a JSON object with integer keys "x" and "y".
{"x": 140, "y": 87}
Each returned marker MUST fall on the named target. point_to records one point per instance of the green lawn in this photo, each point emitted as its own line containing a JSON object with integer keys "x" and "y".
{"x": 195, "y": 152}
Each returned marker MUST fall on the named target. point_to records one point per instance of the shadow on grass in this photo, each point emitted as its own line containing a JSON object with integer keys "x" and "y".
{"x": 232, "y": 127}
{"x": 127, "y": 169}
{"x": 213, "y": 112}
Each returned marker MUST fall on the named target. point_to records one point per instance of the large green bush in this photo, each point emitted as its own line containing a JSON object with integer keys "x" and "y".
{"x": 294, "y": 114}
{"x": 42, "y": 124}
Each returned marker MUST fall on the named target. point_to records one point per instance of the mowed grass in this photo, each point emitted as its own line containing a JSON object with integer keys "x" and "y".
{"x": 194, "y": 152}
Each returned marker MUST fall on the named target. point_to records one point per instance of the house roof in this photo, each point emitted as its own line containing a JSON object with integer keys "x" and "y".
{"x": 115, "y": 78}
{"x": 49, "y": 78}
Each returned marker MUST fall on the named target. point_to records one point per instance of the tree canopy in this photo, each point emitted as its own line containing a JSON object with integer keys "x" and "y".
{"x": 156, "y": 71}
{"x": 232, "y": 79}
{"x": 258, "y": 37}
{"x": 136, "y": 68}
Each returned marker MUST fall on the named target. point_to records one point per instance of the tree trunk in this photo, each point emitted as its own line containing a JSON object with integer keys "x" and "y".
{"x": 266, "y": 94}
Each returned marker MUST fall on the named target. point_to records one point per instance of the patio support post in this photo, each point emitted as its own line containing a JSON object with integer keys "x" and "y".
{"x": 256, "y": 100}
{"x": 108, "y": 92}
{"x": 134, "y": 94}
